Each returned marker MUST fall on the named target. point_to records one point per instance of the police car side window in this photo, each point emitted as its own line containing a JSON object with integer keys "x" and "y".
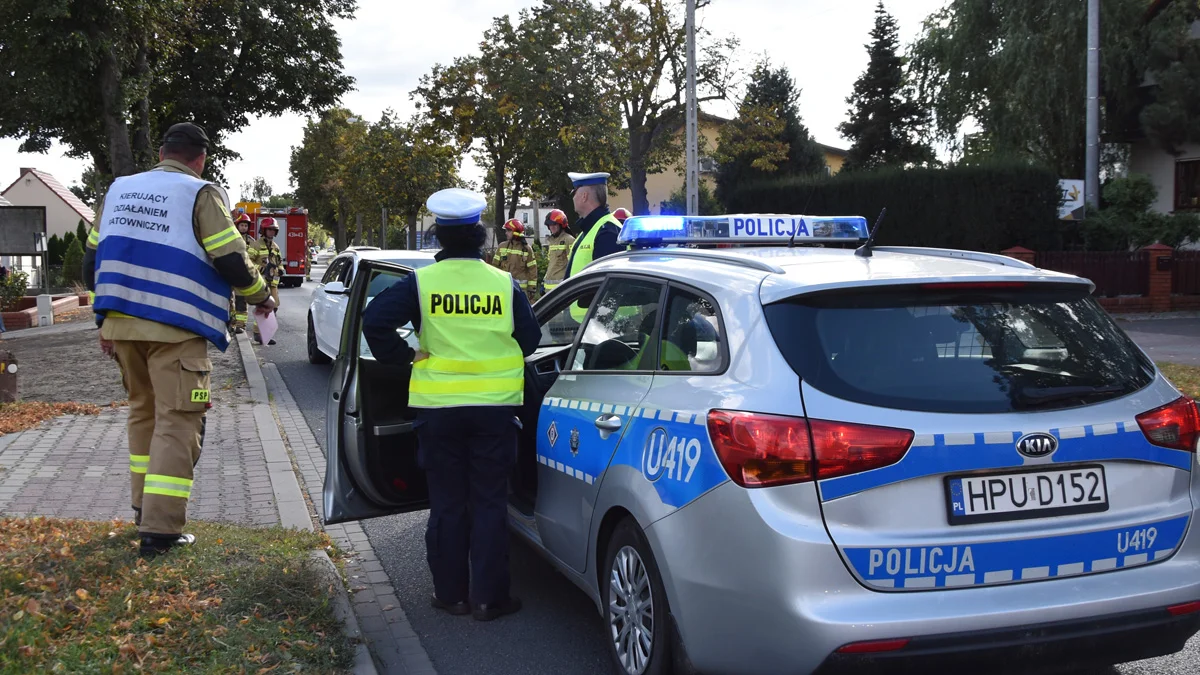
{"x": 621, "y": 333}
{"x": 691, "y": 336}
{"x": 334, "y": 271}
{"x": 562, "y": 325}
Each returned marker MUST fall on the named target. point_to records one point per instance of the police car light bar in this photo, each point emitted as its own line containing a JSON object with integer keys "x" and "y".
{"x": 649, "y": 231}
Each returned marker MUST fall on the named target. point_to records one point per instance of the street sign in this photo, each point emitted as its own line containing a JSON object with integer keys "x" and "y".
{"x": 1072, "y": 203}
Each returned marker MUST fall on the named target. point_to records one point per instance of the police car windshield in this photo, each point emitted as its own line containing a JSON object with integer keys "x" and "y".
{"x": 967, "y": 349}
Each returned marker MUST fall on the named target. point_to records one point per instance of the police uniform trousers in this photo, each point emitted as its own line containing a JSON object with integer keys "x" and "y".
{"x": 467, "y": 454}
{"x": 168, "y": 386}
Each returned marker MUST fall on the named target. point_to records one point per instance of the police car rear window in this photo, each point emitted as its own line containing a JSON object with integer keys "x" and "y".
{"x": 961, "y": 349}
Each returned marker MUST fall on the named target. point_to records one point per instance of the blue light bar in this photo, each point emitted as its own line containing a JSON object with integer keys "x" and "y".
{"x": 650, "y": 231}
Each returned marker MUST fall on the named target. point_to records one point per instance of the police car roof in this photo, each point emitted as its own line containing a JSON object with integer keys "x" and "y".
{"x": 786, "y": 272}
{"x": 391, "y": 254}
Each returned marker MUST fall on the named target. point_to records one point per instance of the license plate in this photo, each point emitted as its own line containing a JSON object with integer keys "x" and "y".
{"x": 1014, "y": 495}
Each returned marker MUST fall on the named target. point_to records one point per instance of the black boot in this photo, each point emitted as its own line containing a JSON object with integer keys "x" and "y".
{"x": 158, "y": 544}
{"x": 495, "y": 610}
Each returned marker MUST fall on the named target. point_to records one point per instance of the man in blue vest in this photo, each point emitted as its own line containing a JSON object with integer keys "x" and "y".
{"x": 475, "y": 327}
{"x": 162, "y": 260}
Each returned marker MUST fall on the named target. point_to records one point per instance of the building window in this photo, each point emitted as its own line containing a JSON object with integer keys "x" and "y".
{"x": 1187, "y": 184}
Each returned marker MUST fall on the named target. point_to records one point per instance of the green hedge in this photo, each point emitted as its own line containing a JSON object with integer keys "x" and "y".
{"x": 982, "y": 207}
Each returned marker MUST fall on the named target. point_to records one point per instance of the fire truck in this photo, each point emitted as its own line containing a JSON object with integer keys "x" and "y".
{"x": 292, "y": 240}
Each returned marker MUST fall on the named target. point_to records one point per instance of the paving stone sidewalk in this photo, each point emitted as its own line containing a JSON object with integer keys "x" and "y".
{"x": 78, "y": 467}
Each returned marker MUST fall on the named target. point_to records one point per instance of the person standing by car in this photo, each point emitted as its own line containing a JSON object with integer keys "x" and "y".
{"x": 161, "y": 275}
{"x": 238, "y": 309}
{"x": 597, "y": 228}
{"x": 516, "y": 257}
{"x": 558, "y": 249}
{"x": 475, "y": 326}
{"x": 269, "y": 258}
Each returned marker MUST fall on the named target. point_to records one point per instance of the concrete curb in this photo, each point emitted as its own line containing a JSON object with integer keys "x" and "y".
{"x": 60, "y": 329}
{"x": 363, "y": 663}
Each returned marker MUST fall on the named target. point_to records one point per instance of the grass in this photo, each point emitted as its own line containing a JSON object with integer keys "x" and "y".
{"x": 1185, "y": 378}
{"x": 76, "y": 598}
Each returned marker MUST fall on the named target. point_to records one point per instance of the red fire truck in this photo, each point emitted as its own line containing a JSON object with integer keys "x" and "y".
{"x": 292, "y": 241}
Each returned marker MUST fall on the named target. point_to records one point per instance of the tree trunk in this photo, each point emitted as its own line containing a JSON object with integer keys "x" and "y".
{"x": 498, "y": 178}
{"x": 410, "y": 222}
{"x": 142, "y": 154}
{"x": 115, "y": 130}
{"x": 638, "y": 142}
{"x": 339, "y": 234}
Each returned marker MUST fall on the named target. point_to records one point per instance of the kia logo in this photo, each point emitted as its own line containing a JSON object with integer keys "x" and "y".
{"x": 1037, "y": 445}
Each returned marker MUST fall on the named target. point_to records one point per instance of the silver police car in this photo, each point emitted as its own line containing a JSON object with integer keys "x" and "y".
{"x": 794, "y": 458}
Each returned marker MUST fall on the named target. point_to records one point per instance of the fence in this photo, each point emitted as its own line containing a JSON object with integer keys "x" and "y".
{"x": 1186, "y": 280}
{"x": 1115, "y": 273}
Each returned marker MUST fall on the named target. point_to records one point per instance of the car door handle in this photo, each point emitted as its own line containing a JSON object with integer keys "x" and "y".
{"x": 608, "y": 423}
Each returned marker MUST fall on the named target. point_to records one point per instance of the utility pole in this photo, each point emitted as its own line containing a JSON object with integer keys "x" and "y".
{"x": 693, "y": 169}
{"x": 1091, "y": 169}
{"x": 383, "y": 230}
{"x": 358, "y": 230}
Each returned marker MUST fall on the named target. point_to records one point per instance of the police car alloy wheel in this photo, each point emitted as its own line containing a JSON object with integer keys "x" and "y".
{"x": 315, "y": 355}
{"x": 636, "y": 609}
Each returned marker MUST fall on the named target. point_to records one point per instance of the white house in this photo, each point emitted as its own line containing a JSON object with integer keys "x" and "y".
{"x": 63, "y": 209}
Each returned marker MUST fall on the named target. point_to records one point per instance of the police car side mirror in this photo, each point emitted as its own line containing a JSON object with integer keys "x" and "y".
{"x": 335, "y": 288}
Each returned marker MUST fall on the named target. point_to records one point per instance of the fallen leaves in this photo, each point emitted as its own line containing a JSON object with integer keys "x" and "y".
{"x": 24, "y": 415}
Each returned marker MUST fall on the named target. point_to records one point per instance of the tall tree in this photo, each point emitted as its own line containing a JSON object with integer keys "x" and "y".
{"x": 320, "y": 168}
{"x": 256, "y": 190}
{"x": 768, "y": 137}
{"x": 1017, "y": 70}
{"x": 647, "y": 40}
{"x": 107, "y": 78}
{"x": 1170, "y": 56}
{"x": 885, "y": 121}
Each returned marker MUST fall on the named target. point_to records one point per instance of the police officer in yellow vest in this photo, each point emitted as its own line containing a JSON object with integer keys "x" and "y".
{"x": 558, "y": 249}
{"x": 475, "y": 327}
{"x": 597, "y": 228}
{"x": 162, "y": 259}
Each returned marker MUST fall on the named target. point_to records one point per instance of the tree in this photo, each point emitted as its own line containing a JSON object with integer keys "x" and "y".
{"x": 885, "y": 121}
{"x": 768, "y": 138}
{"x": 647, "y": 40}
{"x": 81, "y": 230}
{"x": 73, "y": 263}
{"x": 107, "y": 78}
{"x": 55, "y": 250}
{"x": 256, "y": 190}
{"x": 1171, "y": 57}
{"x": 319, "y": 168}
{"x": 676, "y": 204}
{"x": 280, "y": 201}
{"x": 1017, "y": 70}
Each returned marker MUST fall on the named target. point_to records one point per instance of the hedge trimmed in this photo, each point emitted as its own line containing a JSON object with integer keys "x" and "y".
{"x": 981, "y": 207}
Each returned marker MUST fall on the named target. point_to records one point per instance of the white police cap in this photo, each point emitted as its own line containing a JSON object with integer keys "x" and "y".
{"x": 581, "y": 179}
{"x": 456, "y": 206}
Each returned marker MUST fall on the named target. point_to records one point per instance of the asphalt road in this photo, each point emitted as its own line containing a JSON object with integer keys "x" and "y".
{"x": 559, "y": 630}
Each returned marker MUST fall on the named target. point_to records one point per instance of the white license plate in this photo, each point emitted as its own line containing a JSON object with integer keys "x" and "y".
{"x": 1026, "y": 494}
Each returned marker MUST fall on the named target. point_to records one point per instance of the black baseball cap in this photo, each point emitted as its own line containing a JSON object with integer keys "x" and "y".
{"x": 186, "y": 133}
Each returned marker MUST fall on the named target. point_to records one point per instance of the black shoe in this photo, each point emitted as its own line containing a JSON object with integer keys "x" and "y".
{"x": 495, "y": 610}
{"x": 239, "y": 331}
{"x": 258, "y": 338}
{"x": 137, "y": 516}
{"x": 157, "y": 544}
{"x": 452, "y": 608}
{"x": 269, "y": 343}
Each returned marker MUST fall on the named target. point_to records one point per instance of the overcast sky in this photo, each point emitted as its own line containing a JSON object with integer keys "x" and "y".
{"x": 389, "y": 45}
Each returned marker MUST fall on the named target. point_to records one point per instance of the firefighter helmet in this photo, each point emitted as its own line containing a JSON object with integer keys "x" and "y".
{"x": 515, "y": 227}
{"x": 268, "y": 223}
{"x": 557, "y": 217}
{"x": 622, "y": 215}
{"x": 242, "y": 218}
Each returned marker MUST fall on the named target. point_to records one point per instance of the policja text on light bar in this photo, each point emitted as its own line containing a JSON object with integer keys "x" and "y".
{"x": 648, "y": 231}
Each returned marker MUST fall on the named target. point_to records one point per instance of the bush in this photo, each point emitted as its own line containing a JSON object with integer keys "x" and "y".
{"x": 55, "y": 250}
{"x": 73, "y": 264}
{"x": 1126, "y": 221}
{"x": 12, "y": 289}
{"x": 986, "y": 207}
{"x": 676, "y": 204}
{"x": 81, "y": 231}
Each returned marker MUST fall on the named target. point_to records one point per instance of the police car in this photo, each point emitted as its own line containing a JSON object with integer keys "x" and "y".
{"x": 807, "y": 457}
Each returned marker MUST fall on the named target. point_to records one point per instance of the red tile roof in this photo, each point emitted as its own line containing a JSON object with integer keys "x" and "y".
{"x": 60, "y": 191}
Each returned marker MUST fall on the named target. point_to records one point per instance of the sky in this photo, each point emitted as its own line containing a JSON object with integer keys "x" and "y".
{"x": 389, "y": 45}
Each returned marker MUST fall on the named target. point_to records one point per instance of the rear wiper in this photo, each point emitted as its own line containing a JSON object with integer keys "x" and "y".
{"x": 1041, "y": 395}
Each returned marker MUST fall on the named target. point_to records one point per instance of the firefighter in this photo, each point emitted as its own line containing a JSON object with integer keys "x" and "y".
{"x": 622, "y": 214}
{"x": 238, "y": 308}
{"x": 160, "y": 279}
{"x": 558, "y": 249}
{"x": 475, "y": 326}
{"x": 269, "y": 258}
{"x": 516, "y": 257}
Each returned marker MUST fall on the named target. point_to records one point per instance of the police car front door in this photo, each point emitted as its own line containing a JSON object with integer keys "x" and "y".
{"x": 371, "y": 467}
{"x": 586, "y": 412}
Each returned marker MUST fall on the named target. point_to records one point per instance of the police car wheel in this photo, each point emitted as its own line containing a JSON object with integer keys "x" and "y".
{"x": 315, "y": 355}
{"x": 636, "y": 606}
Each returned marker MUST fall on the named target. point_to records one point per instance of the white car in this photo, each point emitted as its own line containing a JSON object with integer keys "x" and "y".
{"x": 328, "y": 307}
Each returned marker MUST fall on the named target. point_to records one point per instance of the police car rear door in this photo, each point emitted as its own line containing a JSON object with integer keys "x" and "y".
{"x": 586, "y": 412}
{"x": 981, "y": 433}
{"x": 372, "y": 449}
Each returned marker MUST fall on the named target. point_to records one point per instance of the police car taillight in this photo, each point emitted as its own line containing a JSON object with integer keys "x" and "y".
{"x": 759, "y": 450}
{"x": 1174, "y": 425}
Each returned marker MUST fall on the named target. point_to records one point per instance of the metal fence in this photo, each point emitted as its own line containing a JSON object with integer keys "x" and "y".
{"x": 1115, "y": 273}
{"x": 1186, "y": 275}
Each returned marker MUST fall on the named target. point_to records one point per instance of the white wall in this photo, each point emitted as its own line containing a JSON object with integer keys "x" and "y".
{"x": 31, "y": 191}
{"x": 1146, "y": 158}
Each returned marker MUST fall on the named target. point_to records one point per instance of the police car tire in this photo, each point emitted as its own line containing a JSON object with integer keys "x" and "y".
{"x": 315, "y": 355}
{"x": 628, "y": 534}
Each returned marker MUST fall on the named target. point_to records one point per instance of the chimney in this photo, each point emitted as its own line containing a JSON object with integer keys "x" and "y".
{"x": 25, "y": 171}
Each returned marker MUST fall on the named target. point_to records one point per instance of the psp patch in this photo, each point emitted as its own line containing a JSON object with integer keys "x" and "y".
{"x": 199, "y": 396}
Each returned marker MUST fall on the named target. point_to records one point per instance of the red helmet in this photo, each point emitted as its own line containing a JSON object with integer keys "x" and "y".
{"x": 621, "y": 215}
{"x": 268, "y": 223}
{"x": 242, "y": 218}
{"x": 515, "y": 227}
{"x": 557, "y": 217}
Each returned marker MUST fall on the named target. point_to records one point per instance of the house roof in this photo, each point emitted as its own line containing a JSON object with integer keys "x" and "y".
{"x": 60, "y": 191}
{"x": 831, "y": 150}
{"x": 4, "y": 202}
